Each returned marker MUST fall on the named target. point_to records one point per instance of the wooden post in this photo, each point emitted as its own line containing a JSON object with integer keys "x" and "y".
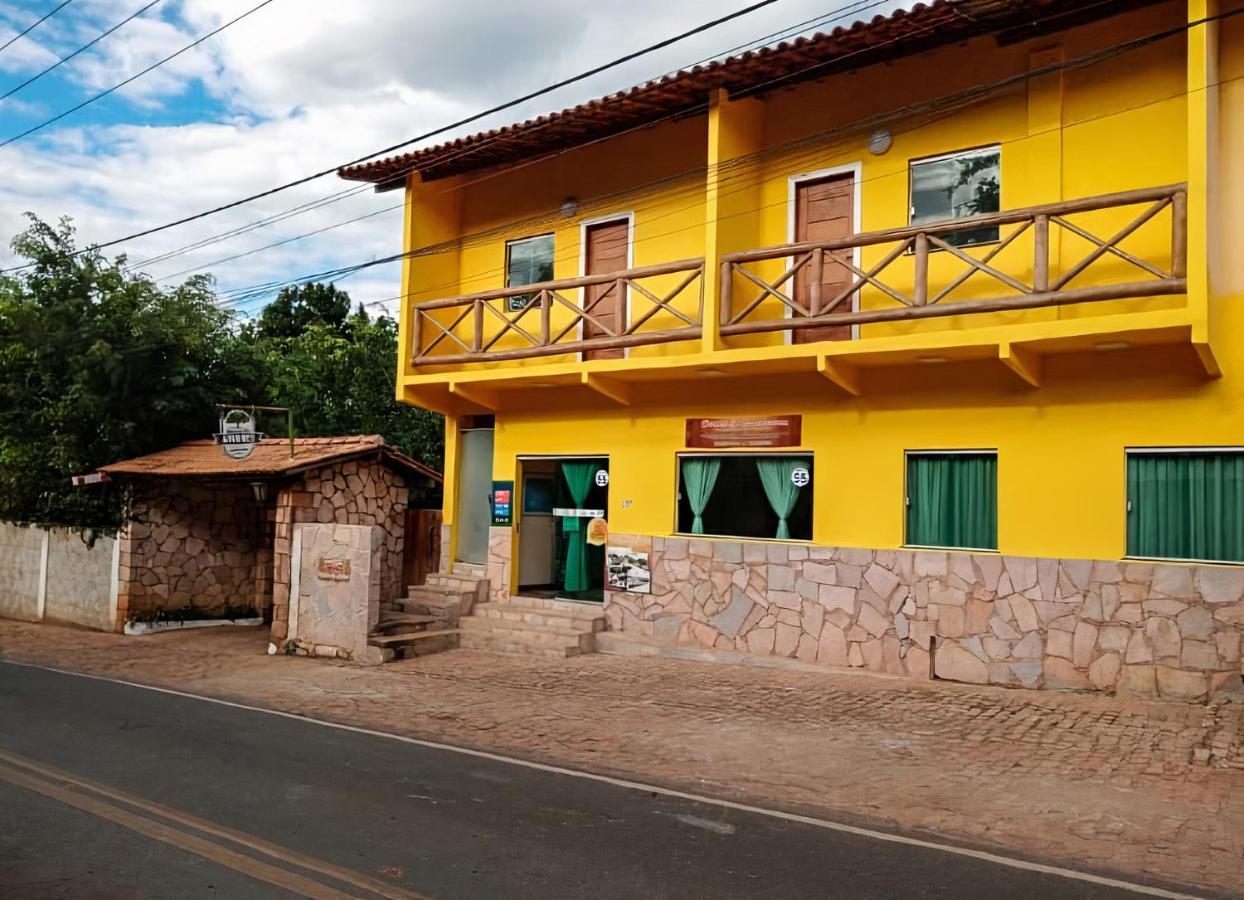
{"x": 1179, "y": 234}
{"x": 815, "y": 278}
{"x": 545, "y": 310}
{"x": 726, "y": 292}
{"x": 1041, "y": 253}
{"x": 416, "y": 334}
{"x": 477, "y": 340}
{"x": 622, "y": 319}
{"x": 920, "y": 288}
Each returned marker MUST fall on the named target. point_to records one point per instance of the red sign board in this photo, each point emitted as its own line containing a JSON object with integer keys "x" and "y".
{"x": 756, "y": 431}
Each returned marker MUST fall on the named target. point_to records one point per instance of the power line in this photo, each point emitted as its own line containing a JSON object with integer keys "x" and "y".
{"x": 87, "y": 46}
{"x": 854, "y": 8}
{"x": 132, "y": 78}
{"x": 596, "y": 70}
{"x": 247, "y": 294}
{"x": 30, "y": 28}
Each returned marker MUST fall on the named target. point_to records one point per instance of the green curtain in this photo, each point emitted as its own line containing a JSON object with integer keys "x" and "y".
{"x": 782, "y": 492}
{"x": 952, "y": 500}
{"x": 1186, "y": 506}
{"x": 699, "y": 474}
{"x": 578, "y": 477}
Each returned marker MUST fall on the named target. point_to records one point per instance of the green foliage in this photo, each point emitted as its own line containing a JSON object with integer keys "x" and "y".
{"x": 99, "y": 364}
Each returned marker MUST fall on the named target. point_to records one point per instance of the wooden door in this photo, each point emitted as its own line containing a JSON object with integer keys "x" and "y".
{"x": 824, "y": 211}
{"x": 606, "y": 251}
{"x": 422, "y": 548}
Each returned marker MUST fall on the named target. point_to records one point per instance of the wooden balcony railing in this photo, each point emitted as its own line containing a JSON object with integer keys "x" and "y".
{"x": 909, "y": 293}
{"x": 652, "y": 305}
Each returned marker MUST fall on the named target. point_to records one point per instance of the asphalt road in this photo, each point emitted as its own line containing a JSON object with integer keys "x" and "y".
{"x": 108, "y": 790}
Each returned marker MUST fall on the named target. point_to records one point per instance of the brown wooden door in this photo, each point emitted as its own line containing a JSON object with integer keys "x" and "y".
{"x": 606, "y": 252}
{"x": 422, "y": 546}
{"x": 824, "y": 212}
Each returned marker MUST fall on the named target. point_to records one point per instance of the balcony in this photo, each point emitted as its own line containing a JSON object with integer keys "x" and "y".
{"x": 1013, "y": 286}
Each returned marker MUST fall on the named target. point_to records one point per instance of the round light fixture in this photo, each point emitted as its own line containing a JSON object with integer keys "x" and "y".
{"x": 570, "y": 207}
{"x": 879, "y": 142}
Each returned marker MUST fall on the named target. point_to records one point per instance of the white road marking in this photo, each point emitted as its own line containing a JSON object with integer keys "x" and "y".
{"x": 706, "y": 824}
{"x": 815, "y": 822}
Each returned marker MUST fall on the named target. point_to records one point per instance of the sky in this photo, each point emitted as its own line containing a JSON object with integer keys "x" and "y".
{"x": 296, "y": 87}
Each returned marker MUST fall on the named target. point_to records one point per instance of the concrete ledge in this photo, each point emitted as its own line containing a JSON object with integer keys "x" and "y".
{"x": 619, "y": 644}
{"x": 136, "y": 628}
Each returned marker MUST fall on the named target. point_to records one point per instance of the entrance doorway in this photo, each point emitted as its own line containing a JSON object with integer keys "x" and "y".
{"x": 559, "y": 497}
{"x": 474, "y": 495}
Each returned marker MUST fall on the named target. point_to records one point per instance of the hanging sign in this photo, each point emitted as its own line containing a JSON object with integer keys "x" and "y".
{"x": 503, "y": 503}
{"x": 800, "y": 477}
{"x": 237, "y": 435}
{"x": 597, "y": 532}
{"x": 602, "y": 478}
{"x": 755, "y": 431}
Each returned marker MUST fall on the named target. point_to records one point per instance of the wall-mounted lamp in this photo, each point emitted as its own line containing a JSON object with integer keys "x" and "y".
{"x": 570, "y": 207}
{"x": 880, "y": 141}
{"x": 260, "y": 490}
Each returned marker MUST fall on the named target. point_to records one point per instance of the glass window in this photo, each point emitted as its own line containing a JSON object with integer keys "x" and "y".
{"x": 954, "y": 187}
{"x": 527, "y": 261}
{"x": 952, "y": 500}
{"x": 1186, "y": 505}
{"x": 744, "y": 495}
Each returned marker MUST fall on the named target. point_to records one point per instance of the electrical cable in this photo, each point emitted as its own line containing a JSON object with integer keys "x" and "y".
{"x": 87, "y": 46}
{"x": 30, "y": 28}
{"x": 137, "y": 75}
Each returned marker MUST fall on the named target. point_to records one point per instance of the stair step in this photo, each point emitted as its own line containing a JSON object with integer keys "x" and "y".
{"x": 462, "y": 568}
{"x": 390, "y": 620}
{"x": 569, "y": 607}
{"x": 591, "y": 620}
{"x": 498, "y": 644}
{"x": 528, "y": 634}
{"x": 406, "y": 637}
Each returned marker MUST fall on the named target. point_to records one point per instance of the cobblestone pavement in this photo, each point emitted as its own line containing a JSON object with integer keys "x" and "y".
{"x": 1148, "y": 789}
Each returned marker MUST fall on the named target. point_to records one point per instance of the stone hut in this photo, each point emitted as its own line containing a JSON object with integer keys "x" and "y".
{"x": 208, "y": 536}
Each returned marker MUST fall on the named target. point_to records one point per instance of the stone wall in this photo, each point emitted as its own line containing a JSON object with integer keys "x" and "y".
{"x": 191, "y": 547}
{"x": 1137, "y": 628}
{"x": 352, "y": 493}
{"x": 500, "y": 549}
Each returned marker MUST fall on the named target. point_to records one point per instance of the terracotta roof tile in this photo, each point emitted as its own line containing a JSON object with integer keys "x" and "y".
{"x": 270, "y": 459}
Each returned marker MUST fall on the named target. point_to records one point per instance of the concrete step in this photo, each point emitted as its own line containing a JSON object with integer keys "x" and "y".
{"x": 529, "y": 635}
{"x": 392, "y": 621}
{"x": 477, "y": 587}
{"x": 462, "y": 568}
{"x": 407, "y": 637}
{"x": 532, "y": 616}
{"x": 497, "y": 643}
{"x": 568, "y": 607}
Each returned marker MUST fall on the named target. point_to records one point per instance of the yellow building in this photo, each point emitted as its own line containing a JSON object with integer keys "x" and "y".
{"x": 912, "y": 346}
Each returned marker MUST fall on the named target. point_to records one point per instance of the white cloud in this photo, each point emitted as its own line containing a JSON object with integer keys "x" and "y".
{"x": 303, "y": 85}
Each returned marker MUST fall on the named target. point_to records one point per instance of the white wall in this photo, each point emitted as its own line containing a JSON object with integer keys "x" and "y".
{"x": 54, "y": 575}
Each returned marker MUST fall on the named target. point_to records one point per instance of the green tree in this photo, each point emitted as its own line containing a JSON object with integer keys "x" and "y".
{"x": 97, "y": 364}
{"x": 300, "y": 306}
{"x": 340, "y": 380}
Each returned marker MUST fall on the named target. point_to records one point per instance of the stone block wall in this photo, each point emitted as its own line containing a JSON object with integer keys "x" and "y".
{"x": 351, "y": 493}
{"x": 190, "y": 546}
{"x": 1147, "y": 629}
{"x": 500, "y": 549}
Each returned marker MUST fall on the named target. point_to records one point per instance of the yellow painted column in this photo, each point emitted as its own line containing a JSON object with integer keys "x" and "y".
{"x": 735, "y": 129}
{"x": 1202, "y": 162}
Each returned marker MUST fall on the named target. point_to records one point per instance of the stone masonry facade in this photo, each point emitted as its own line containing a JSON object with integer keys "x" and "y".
{"x": 1134, "y": 628}
{"x": 198, "y": 548}
{"x": 351, "y": 493}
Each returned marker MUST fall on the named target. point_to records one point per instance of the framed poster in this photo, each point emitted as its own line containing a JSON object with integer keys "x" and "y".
{"x": 627, "y": 570}
{"x": 503, "y": 503}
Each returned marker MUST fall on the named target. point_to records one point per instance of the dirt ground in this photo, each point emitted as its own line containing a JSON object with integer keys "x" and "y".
{"x": 1145, "y": 789}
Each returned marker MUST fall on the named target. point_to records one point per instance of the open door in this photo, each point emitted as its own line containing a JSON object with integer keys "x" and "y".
{"x": 560, "y": 496}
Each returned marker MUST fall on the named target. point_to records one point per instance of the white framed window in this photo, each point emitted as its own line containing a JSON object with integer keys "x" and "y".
{"x": 528, "y": 260}
{"x": 955, "y": 186}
